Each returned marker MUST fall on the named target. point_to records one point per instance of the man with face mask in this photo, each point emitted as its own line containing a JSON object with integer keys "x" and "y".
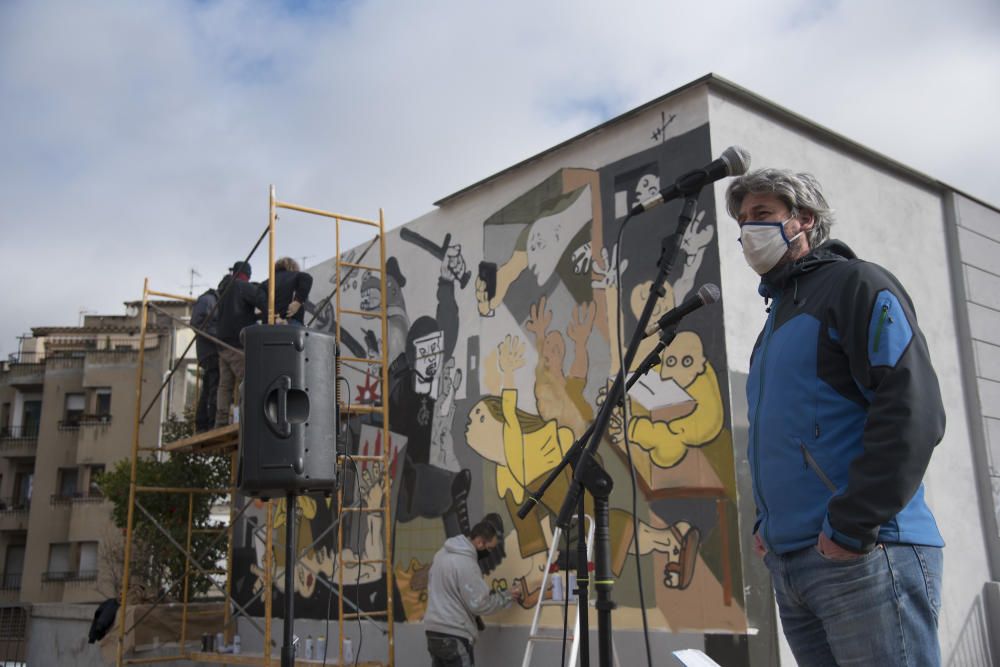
{"x": 457, "y": 594}
{"x": 845, "y": 410}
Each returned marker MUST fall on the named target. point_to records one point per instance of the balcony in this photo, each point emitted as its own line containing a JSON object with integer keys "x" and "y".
{"x": 94, "y": 420}
{"x": 21, "y": 440}
{"x": 69, "y": 577}
{"x": 10, "y": 581}
{"x": 15, "y": 505}
{"x": 26, "y": 369}
{"x": 76, "y": 498}
{"x": 14, "y": 514}
{"x": 72, "y": 424}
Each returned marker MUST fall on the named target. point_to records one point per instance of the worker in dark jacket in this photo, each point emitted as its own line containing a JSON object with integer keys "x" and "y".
{"x": 291, "y": 289}
{"x": 237, "y": 309}
{"x": 845, "y": 411}
{"x": 204, "y": 316}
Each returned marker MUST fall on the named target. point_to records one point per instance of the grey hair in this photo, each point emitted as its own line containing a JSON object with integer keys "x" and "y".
{"x": 799, "y": 192}
{"x": 286, "y": 264}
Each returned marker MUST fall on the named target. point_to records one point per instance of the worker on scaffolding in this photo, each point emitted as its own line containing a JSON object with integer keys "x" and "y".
{"x": 204, "y": 317}
{"x": 291, "y": 290}
{"x": 239, "y": 301}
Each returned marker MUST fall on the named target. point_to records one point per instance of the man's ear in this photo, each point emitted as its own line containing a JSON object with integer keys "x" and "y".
{"x": 807, "y": 219}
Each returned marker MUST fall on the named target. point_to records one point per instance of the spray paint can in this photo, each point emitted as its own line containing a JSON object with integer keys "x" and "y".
{"x": 321, "y": 648}
{"x": 236, "y": 644}
{"x": 309, "y": 647}
{"x": 557, "y": 586}
{"x": 348, "y": 650}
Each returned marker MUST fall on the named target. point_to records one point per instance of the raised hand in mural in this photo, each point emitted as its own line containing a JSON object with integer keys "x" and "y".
{"x": 486, "y": 305}
{"x": 605, "y": 269}
{"x": 539, "y": 319}
{"x": 442, "y": 452}
{"x": 581, "y": 323}
{"x": 696, "y": 239}
{"x": 510, "y": 357}
{"x": 582, "y": 259}
{"x": 372, "y": 485}
{"x": 453, "y": 264}
{"x": 580, "y": 326}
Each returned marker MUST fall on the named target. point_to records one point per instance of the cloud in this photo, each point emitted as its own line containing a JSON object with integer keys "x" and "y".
{"x": 140, "y": 138}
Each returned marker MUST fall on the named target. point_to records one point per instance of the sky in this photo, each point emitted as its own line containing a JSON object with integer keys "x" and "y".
{"x": 139, "y": 139}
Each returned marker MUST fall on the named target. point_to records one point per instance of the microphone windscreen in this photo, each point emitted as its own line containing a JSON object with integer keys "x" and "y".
{"x": 737, "y": 159}
{"x": 709, "y": 293}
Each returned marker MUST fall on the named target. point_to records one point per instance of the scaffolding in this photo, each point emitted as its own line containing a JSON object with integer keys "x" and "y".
{"x": 225, "y": 441}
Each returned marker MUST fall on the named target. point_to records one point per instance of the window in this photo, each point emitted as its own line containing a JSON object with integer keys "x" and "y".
{"x": 31, "y": 417}
{"x": 67, "y": 482}
{"x": 92, "y": 489}
{"x": 102, "y": 401}
{"x": 74, "y": 409}
{"x": 4, "y": 420}
{"x": 88, "y": 560}
{"x": 22, "y": 489}
{"x": 58, "y": 568}
{"x": 13, "y": 567}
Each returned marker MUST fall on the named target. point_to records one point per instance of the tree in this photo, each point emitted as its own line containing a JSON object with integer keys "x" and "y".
{"x": 157, "y": 565}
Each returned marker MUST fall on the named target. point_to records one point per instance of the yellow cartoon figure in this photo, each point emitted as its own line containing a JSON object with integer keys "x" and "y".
{"x": 684, "y": 362}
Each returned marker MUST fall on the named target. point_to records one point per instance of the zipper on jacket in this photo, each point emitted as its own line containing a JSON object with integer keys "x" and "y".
{"x": 810, "y": 462}
{"x": 881, "y": 323}
{"x": 768, "y": 328}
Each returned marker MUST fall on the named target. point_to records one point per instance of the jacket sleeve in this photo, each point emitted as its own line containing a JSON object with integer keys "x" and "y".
{"x": 200, "y": 312}
{"x": 477, "y": 596}
{"x": 891, "y": 365}
{"x": 303, "y": 283}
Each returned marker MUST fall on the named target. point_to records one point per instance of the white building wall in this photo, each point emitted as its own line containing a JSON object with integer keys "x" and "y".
{"x": 900, "y": 225}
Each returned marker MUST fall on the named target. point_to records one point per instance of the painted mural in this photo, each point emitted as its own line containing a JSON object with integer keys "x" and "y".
{"x": 502, "y": 345}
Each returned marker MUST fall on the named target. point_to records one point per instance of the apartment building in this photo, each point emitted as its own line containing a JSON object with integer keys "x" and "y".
{"x": 67, "y": 414}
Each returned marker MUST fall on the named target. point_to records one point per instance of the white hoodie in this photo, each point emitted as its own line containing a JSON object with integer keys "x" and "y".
{"x": 456, "y": 592}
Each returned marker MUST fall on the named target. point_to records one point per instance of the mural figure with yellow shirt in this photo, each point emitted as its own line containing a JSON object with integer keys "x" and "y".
{"x": 684, "y": 362}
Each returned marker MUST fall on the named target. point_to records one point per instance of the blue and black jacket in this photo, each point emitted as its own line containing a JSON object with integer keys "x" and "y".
{"x": 844, "y": 405}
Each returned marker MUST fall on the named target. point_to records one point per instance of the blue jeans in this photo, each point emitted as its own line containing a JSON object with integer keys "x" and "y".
{"x": 879, "y": 609}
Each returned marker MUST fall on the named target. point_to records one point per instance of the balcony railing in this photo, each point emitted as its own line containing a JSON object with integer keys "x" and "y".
{"x": 78, "y": 575}
{"x": 76, "y": 497}
{"x": 26, "y": 358}
{"x": 14, "y": 505}
{"x": 94, "y": 420}
{"x": 19, "y": 432}
{"x": 10, "y": 581}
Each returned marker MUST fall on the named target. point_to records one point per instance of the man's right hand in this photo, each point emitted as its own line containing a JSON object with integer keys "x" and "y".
{"x": 516, "y": 593}
{"x": 758, "y": 545}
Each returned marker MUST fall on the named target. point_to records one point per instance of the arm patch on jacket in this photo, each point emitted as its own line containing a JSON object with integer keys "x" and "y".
{"x": 889, "y": 332}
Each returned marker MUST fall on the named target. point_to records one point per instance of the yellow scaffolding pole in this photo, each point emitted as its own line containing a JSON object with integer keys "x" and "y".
{"x": 383, "y": 410}
{"x": 347, "y": 408}
{"x": 126, "y": 568}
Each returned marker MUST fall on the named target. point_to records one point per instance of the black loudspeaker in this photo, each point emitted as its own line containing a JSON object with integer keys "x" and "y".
{"x": 288, "y": 411}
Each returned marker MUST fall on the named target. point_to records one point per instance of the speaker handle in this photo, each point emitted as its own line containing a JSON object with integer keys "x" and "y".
{"x": 277, "y": 392}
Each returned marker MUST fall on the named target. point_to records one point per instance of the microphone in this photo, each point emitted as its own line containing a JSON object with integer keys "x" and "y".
{"x": 734, "y": 161}
{"x": 708, "y": 293}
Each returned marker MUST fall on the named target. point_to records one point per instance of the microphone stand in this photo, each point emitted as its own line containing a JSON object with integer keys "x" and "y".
{"x": 588, "y": 475}
{"x": 288, "y": 629}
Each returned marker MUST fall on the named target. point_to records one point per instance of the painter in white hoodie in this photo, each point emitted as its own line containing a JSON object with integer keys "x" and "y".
{"x": 457, "y": 594}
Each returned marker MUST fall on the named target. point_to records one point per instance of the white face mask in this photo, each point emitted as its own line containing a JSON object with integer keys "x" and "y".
{"x": 764, "y": 243}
